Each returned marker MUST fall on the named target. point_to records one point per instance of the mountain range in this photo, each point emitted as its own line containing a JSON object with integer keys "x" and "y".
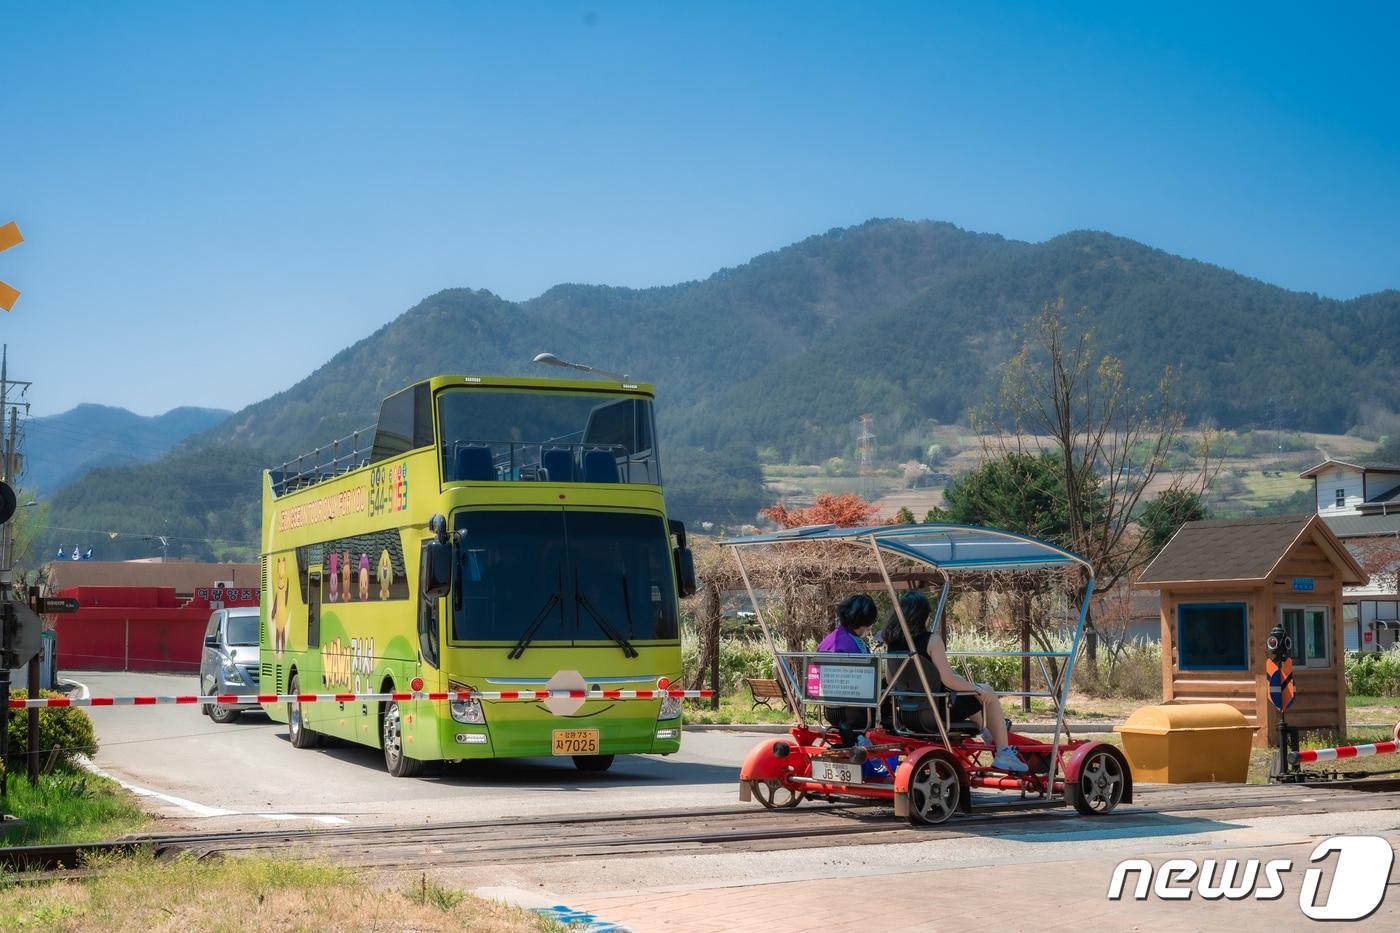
{"x": 61, "y": 448}
{"x": 906, "y": 320}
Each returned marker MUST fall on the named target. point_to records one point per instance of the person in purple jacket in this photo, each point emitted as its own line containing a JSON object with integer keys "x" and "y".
{"x": 855, "y": 617}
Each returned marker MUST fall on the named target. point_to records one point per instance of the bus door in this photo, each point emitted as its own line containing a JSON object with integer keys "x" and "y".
{"x": 313, "y": 608}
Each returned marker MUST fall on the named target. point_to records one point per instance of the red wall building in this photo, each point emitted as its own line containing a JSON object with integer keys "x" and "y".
{"x": 144, "y": 626}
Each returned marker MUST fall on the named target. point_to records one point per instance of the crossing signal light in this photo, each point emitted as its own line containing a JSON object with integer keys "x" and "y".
{"x": 9, "y": 236}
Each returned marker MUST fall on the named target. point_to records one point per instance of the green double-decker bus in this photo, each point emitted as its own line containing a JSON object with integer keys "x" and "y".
{"x": 492, "y": 535}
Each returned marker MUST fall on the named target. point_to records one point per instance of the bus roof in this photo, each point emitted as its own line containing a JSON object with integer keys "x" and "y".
{"x": 530, "y": 382}
{"x": 947, "y": 546}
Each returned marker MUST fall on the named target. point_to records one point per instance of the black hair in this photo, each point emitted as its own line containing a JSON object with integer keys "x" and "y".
{"x": 916, "y": 609}
{"x": 857, "y": 611}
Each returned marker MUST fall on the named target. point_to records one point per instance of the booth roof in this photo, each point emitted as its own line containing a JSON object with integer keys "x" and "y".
{"x": 952, "y": 547}
{"x": 1242, "y": 549}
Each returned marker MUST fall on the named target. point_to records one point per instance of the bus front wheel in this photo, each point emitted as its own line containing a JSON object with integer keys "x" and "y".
{"x": 593, "y": 762}
{"x": 391, "y": 731}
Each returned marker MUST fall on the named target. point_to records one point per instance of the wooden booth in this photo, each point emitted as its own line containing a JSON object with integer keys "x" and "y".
{"x": 1224, "y": 585}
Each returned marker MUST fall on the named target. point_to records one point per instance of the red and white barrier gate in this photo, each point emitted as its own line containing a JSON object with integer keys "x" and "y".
{"x": 455, "y": 695}
{"x": 1347, "y": 751}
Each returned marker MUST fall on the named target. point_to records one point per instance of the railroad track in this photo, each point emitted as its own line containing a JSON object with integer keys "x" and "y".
{"x": 709, "y": 830}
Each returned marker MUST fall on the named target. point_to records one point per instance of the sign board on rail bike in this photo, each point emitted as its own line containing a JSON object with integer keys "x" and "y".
{"x": 495, "y": 535}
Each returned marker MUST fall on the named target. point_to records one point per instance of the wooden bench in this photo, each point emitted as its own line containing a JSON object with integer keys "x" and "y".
{"x": 765, "y": 691}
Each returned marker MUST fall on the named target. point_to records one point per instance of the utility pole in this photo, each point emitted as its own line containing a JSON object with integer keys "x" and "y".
{"x": 7, "y": 553}
{"x": 867, "y": 457}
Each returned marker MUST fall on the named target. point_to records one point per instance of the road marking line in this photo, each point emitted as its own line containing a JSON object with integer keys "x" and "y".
{"x": 198, "y": 809}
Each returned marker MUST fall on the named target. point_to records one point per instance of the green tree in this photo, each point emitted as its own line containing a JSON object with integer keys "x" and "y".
{"x": 1161, "y": 517}
{"x": 1020, "y": 492}
{"x": 904, "y": 516}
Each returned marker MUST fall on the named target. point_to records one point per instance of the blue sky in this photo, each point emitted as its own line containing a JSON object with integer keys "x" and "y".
{"x": 219, "y": 197}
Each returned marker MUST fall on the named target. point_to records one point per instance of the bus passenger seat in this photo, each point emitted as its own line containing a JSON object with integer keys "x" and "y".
{"x": 559, "y": 463}
{"x": 474, "y": 464}
{"x": 599, "y": 466}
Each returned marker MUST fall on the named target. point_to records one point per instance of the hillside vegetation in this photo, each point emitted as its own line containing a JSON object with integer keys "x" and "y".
{"x": 907, "y": 321}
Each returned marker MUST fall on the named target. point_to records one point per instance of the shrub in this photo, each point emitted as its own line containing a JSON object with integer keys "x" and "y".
{"x": 64, "y": 733}
{"x": 1374, "y": 673}
{"x": 1134, "y": 672}
{"x": 739, "y": 657}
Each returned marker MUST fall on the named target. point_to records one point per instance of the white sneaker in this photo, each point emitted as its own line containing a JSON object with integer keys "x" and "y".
{"x": 1007, "y": 760}
{"x": 986, "y": 737}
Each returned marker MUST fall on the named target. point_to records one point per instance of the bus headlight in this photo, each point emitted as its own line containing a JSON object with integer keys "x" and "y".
{"x": 670, "y": 708}
{"x": 468, "y": 711}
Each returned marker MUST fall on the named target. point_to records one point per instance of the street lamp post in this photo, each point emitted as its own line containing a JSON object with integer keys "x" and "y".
{"x": 549, "y": 359}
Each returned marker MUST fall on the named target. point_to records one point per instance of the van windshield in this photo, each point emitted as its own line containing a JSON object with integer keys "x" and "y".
{"x": 242, "y": 631}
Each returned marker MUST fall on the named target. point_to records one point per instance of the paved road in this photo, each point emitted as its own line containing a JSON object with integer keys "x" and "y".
{"x": 250, "y": 768}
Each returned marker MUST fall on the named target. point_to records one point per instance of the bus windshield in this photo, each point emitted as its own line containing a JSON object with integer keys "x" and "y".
{"x": 550, "y": 576}
{"x": 547, "y": 436}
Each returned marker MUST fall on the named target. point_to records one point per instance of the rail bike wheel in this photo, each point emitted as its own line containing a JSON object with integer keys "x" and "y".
{"x": 1100, "y": 786}
{"x": 297, "y": 731}
{"x": 935, "y": 790}
{"x": 775, "y": 795}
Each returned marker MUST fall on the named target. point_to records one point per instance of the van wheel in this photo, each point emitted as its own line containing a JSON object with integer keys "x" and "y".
{"x": 301, "y": 736}
{"x": 391, "y": 732}
{"x": 593, "y": 763}
{"x": 223, "y": 714}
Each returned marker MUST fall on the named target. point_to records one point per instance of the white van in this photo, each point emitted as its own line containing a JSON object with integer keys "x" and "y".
{"x": 229, "y": 663}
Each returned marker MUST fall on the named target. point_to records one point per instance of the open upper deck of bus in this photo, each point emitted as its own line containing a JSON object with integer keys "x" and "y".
{"x": 490, "y": 429}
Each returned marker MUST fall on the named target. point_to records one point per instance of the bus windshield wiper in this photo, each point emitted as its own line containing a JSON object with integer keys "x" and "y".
{"x": 608, "y": 630}
{"x": 534, "y": 627}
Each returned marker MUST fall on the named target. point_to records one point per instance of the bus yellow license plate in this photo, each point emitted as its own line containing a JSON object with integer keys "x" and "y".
{"x": 575, "y": 741}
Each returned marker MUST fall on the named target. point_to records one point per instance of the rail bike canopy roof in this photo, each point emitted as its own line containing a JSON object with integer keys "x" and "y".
{"x": 945, "y": 546}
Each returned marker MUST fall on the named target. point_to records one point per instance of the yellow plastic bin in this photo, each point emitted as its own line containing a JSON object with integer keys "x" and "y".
{"x": 1199, "y": 743}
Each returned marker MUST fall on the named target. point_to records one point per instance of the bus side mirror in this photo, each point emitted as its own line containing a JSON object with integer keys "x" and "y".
{"x": 685, "y": 562}
{"x": 685, "y": 573}
{"x": 435, "y": 576}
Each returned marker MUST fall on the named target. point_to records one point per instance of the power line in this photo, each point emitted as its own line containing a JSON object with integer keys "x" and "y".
{"x": 143, "y": 536}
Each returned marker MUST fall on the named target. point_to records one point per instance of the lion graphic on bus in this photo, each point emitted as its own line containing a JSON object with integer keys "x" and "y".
{"x": 386, "y": 573}
{"x": 281, "y": 609}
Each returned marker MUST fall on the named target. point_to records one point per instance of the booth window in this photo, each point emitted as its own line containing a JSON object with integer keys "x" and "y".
{"x": 1212, "y": 637}
{"x": 1307, "y": 626}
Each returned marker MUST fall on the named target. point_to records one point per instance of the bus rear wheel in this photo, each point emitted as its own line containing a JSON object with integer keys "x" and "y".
{"x": 301, "y": 736}
{"x": 593, "y": 762}
{"x": 396, "y": 761}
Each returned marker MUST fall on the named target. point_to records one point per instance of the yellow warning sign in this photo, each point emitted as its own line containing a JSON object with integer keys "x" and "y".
{"x": 9, "y": 236}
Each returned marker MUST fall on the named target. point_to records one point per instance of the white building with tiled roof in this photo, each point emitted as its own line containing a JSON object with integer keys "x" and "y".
{"x": 1360, "y": 502}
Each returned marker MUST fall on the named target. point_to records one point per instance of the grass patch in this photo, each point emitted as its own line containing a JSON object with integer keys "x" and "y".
{"x": 139, "y": 893}
{"x": 69, "y": 805}
{"x": 736, "y": 709}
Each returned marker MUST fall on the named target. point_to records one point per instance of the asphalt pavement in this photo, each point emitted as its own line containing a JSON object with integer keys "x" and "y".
{"x": 205, "y": 776}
